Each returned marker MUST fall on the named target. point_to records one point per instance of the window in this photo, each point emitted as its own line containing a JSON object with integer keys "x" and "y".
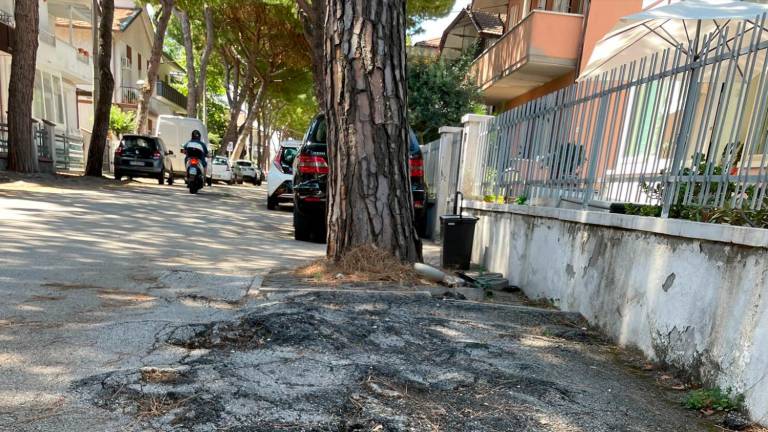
{"x": 129, "y": 55}
{"x": 37, "y": 101}
{"x": 138, "y": 60}
{"x": 58, "y": 96}
{"x": 50, "y": 107}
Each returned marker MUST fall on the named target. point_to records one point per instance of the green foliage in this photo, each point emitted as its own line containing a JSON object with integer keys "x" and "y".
{"x": 440, "y": 92}
{"x": 706, "y": 207}
{"x": 217, "y": 116}
{"x": 714, "y": 399}
{"x": 121, "y": 122}
{"x": 419, "y": 11}
{"x": 521, "y": 200}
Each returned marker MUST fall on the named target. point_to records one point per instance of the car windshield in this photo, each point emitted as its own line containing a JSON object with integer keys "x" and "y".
{"x": 244, "y": 164}
{"x": 220, "y": 161}
{"x": 141, "y": 146}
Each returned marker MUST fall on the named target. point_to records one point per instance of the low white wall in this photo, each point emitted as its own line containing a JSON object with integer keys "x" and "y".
{"x": 690, "y": 295}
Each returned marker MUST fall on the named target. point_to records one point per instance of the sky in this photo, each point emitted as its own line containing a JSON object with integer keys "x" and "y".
{"x": 434, "y": 29}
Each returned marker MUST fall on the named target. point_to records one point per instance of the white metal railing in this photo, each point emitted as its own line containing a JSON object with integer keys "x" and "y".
{"x": 674, "y": 129}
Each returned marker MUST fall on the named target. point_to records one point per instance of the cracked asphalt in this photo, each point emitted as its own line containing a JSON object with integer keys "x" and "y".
{"x": 90, "y": 273}
{"x": 135, "y": 307}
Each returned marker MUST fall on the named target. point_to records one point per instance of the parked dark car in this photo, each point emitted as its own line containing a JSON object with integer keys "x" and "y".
{"x": 143, "y": 156}
{"x": 310, "y": 184}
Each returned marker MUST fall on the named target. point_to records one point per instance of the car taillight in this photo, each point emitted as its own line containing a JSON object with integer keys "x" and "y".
{"x": 156, "y": 155}
{"x": 312, "y": 165}
{"x": 119, "y": 151}
{"x": 418, "y": 204}
{"x": 416, "y": 164}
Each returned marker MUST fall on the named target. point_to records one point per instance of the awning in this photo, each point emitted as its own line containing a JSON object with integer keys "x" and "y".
{"x": 676, "y": 26}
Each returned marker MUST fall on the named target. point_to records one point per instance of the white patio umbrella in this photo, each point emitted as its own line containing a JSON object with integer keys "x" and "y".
{"x": 673, "y": 26}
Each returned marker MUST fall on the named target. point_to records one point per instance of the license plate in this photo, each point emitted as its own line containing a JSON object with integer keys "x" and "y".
{"x": 193, "y": 171}
{"x": 135, "y": 163}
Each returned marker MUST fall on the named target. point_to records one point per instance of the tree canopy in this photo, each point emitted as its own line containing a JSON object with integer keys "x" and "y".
{"x": 439, "y": 94}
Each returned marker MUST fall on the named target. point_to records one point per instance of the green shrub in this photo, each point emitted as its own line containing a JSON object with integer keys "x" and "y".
{"x": 713, "y": 399}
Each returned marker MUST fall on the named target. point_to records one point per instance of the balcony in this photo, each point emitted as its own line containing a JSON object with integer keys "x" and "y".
{"x": 165, "y": 91}
{"x": 128, "y": 97}
{"x": 62, "y": 57}
{"x": 543, "y": 46}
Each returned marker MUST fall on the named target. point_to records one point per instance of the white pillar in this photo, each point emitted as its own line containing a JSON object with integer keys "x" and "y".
{"x": 472, "y": 155}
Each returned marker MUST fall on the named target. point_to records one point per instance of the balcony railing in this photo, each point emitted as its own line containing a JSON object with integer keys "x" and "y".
{"x": 129, "y": 95}
{"x": 164, "y": 90}
{"x": 531, "y": 41}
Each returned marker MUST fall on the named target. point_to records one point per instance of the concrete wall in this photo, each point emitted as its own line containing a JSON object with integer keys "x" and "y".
{"x": 687, "y": 294}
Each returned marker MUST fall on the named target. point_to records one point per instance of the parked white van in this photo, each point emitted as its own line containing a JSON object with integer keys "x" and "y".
{"x": 176, "y": 131}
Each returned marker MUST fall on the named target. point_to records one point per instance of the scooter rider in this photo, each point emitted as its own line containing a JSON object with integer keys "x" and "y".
{"x": 197, "y": 148}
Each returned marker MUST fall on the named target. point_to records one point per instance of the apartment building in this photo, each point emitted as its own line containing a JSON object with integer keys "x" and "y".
{"x": 524, "y": 49}
{"x": 133, "y": 35}
{"x": 62, "y": 68}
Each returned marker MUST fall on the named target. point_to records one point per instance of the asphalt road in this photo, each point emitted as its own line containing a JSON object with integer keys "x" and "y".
{"x": 100, "y": 279}
{"x": 90, "y": 272}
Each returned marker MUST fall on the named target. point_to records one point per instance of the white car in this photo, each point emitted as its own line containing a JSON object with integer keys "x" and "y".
{"x": 221, "y": 170}
{"x": 280, "y": 176}
{"x": 244, "y": 170}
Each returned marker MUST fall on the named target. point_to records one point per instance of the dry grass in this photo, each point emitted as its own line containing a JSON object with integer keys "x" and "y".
{"x": 363, "y": 264}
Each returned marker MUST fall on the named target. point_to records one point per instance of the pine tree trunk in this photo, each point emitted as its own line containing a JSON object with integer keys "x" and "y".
{"x": 154, "y": 66}
{"x": 313, "y": 16}
{"x": 95, "y": 161}
{"x": 22, "y": 151}
{"x": 370, "y": 200}
{"x": 189, "y": 50}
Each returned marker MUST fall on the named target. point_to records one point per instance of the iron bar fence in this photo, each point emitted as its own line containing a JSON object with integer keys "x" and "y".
{"x": 40, "y": 137}
{"x": 683, "y": 127}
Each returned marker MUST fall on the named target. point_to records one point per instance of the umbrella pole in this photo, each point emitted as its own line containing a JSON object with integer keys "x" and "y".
{"x": 681, "y": 144}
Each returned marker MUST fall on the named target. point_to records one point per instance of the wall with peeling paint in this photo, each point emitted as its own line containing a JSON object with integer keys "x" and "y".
{"x": 687, "y": 294}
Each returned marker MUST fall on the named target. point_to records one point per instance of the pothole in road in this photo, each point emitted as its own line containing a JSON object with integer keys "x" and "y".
{"x": 344, "y": 361}
{"x": 240, "y": 335}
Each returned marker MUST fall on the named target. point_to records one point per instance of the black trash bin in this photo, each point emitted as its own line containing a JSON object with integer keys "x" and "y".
{"x": 458, "y": 236}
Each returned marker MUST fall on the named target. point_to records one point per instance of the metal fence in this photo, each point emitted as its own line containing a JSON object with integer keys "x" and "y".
{"x": 686, "y": 126}
{"x": 41, "y": 139}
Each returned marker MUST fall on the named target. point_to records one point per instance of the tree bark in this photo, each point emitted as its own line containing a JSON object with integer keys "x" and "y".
{"x": 205, "y": 58}
{"x": 106, "y": 82}
{"x": 313, "y": 16}
{"x": 189, "y": 50}
{"x": 22, "y": 151}
{"x": 154, "y": 66}
{"x": 369, "y": 189}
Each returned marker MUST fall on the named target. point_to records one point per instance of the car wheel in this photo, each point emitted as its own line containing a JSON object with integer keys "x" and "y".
{"x": 230, "y": 182}
{"x": 272, "y": 204}
{"x": 258, "y": 183}
{"x": 118, "y": 175}
{"x": 301, "y": 227}
{"x": 170, "y": 178}
{"x": 161, "y": 178}
{"x": 209, "y": 181}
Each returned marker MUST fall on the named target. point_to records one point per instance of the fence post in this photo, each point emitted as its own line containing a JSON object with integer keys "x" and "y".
{"x": 589, "y": 186}
{"x": 447, "y": 174}
{"x": 472, "y": 155}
